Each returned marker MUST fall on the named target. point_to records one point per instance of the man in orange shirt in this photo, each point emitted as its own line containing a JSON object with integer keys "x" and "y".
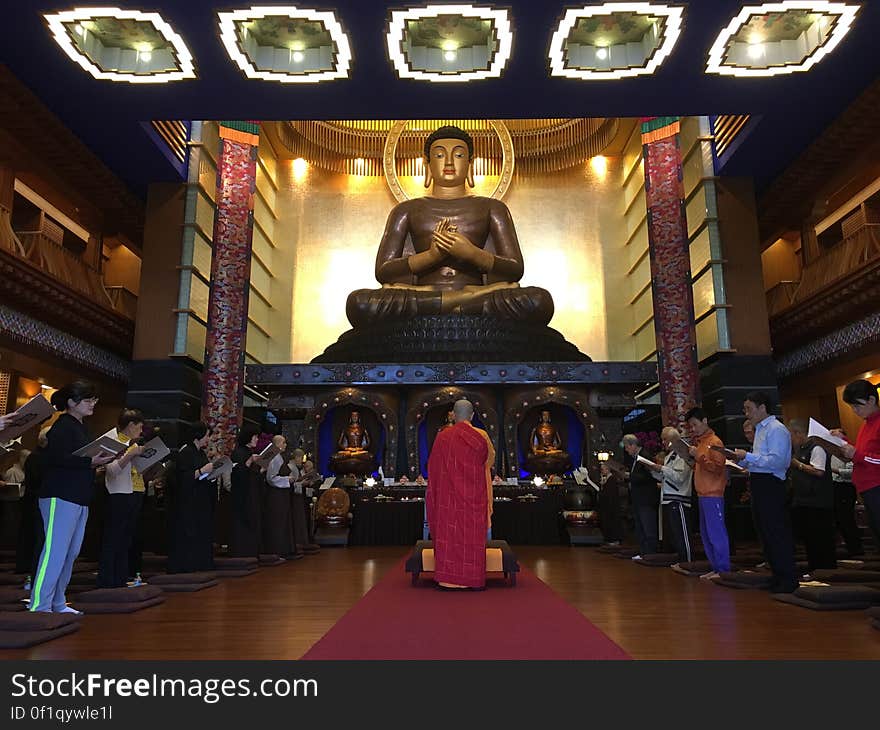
{"x": 710, "y": 479}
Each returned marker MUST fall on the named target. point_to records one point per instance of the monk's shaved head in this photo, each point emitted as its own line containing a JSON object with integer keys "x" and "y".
{"x": 463, "y": 410}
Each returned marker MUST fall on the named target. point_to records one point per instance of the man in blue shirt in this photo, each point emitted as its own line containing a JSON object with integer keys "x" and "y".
{"x": 767, "y": 463}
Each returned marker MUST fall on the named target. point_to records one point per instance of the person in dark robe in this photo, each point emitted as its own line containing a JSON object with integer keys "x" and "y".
{"x": 277, "y": 522}
{"x": 192, "y": 509}
{"x": 244, "y": 538}
{"x": 30, "y": 530}
{"x": 610, "y": 518}
{"x": 459, "y": 501}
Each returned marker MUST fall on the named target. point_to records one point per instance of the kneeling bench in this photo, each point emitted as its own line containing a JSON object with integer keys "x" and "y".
{"x": 499, "y": 559}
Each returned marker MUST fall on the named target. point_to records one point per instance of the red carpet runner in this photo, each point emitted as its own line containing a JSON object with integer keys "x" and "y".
{"x": 398, "y": 621}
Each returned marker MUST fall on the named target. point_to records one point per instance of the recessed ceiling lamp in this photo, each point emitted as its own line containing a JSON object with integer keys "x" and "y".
{"x": 339, "y": 58}
{"x": 730, "y": 56}
{"x": 81, "y": 22}
{"x": 623, "y": 61}
{"x": 499, "y": 55}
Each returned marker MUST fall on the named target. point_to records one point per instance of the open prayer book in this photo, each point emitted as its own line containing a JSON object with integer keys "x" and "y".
{"x": 582, "y": 477}
{"x": 154, "y": 451}
{"x": 729, "y": 453}
{"x": 733, "y": 465}
{"x": 35, "y": 411}
{"x": 266, "y": 455}
{"x": 222, "y": 466}
{"x": 645, "y": 461}
{"x": 682, "y": 448}
{"x": 818, "y": 430}
{"x": 102, "y": 446}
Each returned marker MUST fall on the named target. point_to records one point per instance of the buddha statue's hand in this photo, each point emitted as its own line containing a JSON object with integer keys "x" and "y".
{"x": 452, "y": 243}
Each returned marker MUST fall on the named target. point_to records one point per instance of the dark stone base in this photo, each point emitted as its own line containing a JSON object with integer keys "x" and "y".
{"x": 452, "y": 338}
{"x": 545, "y": 464}
{"x": 353, "y": 465}
{"x": 725, "y": 381}
{"x": 169, "y": 392}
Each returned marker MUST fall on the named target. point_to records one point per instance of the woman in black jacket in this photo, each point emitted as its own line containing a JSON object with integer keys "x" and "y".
{"x": 193, "y": 499}
{"x": 244, "y": 541}
{"x": 65, "y": 493}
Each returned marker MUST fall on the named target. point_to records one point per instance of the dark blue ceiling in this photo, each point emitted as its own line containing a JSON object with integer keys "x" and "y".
{"x": 793, "y": 109}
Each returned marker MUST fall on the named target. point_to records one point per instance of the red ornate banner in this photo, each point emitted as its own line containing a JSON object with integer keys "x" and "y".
{"x": 230, "y": 284}
{"x": 678, "y": 369}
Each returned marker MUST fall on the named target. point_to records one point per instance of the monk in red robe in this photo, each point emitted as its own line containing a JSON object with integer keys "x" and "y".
{"x": 459, "y": 501}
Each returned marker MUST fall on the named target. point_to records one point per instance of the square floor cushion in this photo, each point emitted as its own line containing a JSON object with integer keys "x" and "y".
{"x": 840, "y": 597}
{"x": 658, "y": 560}
{"x": 24, "y": 639}
{"x": 845, "y": 575}
{"x": 237, "y": 573}
{"x": 118, "y": 606}
{"x": 134, "y": 594}
{"x": 744, "y": 579}
{"x": 230, "y": 563}
{"x": 36, "y": 621}
{"x": 170, "y": 579}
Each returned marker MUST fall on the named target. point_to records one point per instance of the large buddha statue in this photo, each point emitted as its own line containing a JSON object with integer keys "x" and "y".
{"x": 546, "y": 455}
{"x": 353, "y": 456}
{"x": 449, "y": 252}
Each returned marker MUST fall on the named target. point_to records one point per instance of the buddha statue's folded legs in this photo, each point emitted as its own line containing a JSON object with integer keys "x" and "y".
{"x": 395, "y": 303}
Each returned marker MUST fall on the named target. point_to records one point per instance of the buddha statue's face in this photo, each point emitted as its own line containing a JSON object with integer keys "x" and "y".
{"x": 449, "y": 161}
{"x": 355, "y": 417}
{"x": 545, "y": 416}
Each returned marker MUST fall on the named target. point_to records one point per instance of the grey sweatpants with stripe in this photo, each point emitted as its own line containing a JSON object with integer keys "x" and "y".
{"x": 65, "y": 525}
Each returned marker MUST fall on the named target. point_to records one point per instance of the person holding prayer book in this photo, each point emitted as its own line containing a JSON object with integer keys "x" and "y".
{"x": 675, "y": 475}
{"x": 768, "y": 463}
{"x": 277, "y": 522}
{"x": 244, "y": 537}
{"x": 710, "y": 480}
{"x": 812, "y": 498}
{"x": 644, "y": 497}
{"x": 65, "y": 495}
{"x": 861, "y": 396}
{"x": 193, "y": 499}
{"x": 845, "y": 504}
{"x": 120, "y": 518}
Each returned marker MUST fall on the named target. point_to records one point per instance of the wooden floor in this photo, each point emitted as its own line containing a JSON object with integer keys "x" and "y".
{"x": 652, "y": 613}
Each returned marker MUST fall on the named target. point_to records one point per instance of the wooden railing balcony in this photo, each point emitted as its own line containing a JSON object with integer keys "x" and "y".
{"x": 124, "y": 301}
{"x": 64, "y": 266}
{"x": 855, "y": 253}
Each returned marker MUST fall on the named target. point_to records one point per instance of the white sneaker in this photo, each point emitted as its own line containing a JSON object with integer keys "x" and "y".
{"x": 636, "y": 557}
{"x": 710, "y": 575}
{"x": 762, "y": 565}
{"x": 69, "y": 609}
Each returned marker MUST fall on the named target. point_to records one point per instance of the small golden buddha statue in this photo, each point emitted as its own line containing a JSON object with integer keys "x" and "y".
{"x": 449, "y": 252}
{"x": 354, "y": 438}
{"x": 546, "y": 455}
{"x": 353, "y": 456}
{"x": 545, "y": 439}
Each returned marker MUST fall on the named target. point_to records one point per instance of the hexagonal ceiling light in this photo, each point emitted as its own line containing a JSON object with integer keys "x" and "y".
{"x": 122, "y": 45}
{"x": 449, "y": 43}
{"x": 614, "y": 40}
{"x": 780, "y": 38}
{"x": 287, "y": 44}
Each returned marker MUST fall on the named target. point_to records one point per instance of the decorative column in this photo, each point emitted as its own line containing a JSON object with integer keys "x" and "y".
{"x": 223, "y": 380}
{"x": 672, "y": 293}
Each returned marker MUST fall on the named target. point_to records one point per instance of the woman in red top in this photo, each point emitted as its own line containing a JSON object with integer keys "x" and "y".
{"x": 861, "y": 396}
